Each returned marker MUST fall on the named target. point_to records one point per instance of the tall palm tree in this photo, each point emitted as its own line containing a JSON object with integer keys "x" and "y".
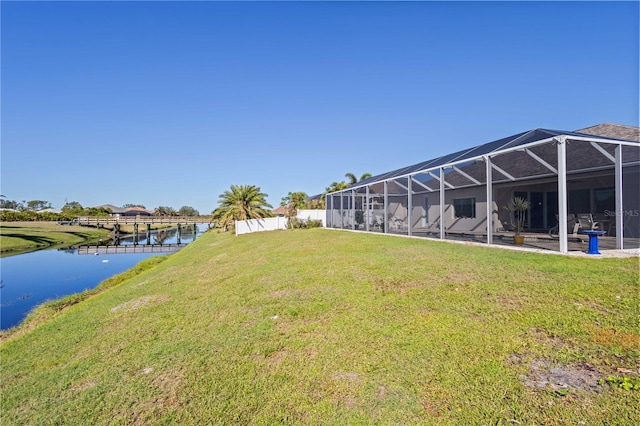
{"x": 352, "y": 178}
{"x": 242, "y": 202}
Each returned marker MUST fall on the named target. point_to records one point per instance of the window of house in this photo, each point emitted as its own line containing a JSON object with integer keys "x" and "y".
{"x": 464, "y": 208}
{"x": 605, "y": 199}
{"x": 579, "y": 201}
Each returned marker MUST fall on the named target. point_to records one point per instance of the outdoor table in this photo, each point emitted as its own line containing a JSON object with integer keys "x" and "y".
{"x": 593, "y": 241}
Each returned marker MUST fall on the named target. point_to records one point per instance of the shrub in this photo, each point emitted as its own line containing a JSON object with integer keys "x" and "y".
{"x": 296, "y": 223}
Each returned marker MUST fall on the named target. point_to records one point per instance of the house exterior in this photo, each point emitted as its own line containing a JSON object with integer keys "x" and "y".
{"x": 280, "y": 211}
{"x": 129, "y": 211}
{"x": 115, "y": 210}
{"x": 569, "y": 179}
{"x": 136, "y": 211}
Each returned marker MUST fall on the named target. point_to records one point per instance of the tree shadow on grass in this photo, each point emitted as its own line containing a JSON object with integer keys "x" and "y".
{"x": 33, "y": 238}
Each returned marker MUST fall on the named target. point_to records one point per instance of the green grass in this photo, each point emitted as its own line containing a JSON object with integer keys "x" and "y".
{"x": 326, "y": 327}
{"x": 20, "y": 237}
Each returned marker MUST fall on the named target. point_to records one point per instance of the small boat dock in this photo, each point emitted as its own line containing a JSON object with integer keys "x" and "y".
{"x": 130, "y": 248}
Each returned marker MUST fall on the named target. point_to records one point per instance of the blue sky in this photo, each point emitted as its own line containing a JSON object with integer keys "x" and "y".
{"x": 170, "y": 103}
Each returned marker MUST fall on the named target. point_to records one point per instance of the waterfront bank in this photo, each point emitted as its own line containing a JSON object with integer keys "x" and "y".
{"x": 32, "y": 278}
{"x": 23, "y": 237}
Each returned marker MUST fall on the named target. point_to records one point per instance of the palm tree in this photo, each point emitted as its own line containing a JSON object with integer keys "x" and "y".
{"x": 295, "y": 201}
{"x": 242, "y": 202}
{"x": 337, "y": 186}
{"x": 165, "y": 211}
{"x": 352, "y": 178}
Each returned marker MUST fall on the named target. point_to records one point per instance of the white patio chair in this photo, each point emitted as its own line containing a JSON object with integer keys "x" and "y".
{"x": 587, "y": 223}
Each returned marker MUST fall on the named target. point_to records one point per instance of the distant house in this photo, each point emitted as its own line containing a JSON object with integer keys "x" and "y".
{"x": 570, "y": 178}
{"x": 129, "y": 211}
{"x": 115, "y": 211}
{"x": 136, "y": 211}
{"x": 280, "y": 211}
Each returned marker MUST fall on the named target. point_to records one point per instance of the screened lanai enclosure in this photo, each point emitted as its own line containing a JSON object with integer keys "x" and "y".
{"x": 574, "y": 183}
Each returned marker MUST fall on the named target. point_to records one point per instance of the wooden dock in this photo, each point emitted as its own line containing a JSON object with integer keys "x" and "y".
{"x": 130, "y": 248}
{"x": 99, "y": 221}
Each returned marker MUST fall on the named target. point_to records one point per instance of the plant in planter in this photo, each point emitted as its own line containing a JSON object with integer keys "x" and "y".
{"x": 359, "y": 218}
{"x": 518, "y": 206}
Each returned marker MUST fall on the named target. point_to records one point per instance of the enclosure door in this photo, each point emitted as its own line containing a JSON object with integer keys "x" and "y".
{"x": 536, "y": 201}
{"x": 535, "y": 214}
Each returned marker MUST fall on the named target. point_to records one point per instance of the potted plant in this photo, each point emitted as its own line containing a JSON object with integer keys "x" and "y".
{"x": 518, "y": 206}
{"x": 359, "y": 218}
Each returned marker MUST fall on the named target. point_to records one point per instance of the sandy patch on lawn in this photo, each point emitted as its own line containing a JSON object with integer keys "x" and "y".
{"x": 138, "y": 303}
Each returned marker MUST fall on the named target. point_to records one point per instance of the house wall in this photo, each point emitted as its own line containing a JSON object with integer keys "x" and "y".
{"x": 425, "y": 218}
{"x": 429, "y": 219}
{"x": 476, "y": 224}
{"x": 397, "y": 208}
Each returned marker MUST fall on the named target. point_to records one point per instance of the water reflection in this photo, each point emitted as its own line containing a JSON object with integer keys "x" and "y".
{"x": 175, "y": 235}
{"x": 30, "y": 279}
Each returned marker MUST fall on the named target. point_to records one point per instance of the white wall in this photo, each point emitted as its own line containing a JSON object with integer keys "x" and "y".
{"x": 273, "y": 223}
{"x": 313, "y": 215}
{"x": 258, "y": 225}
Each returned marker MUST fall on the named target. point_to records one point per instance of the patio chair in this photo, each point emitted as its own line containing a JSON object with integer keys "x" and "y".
{"x": 605, "y": 222}
{"x": 586, "y": 222}
{"x": 573, "y": 226}
{"x": 397, "y": 224}
{"x": 378, "y": 222}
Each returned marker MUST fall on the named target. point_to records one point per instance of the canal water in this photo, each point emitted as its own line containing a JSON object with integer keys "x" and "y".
{"x": 28, "y": 280}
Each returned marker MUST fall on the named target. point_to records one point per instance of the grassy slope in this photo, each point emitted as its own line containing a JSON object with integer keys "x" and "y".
{"x": 26, "y": 236}
{"x": 325, "y": 327}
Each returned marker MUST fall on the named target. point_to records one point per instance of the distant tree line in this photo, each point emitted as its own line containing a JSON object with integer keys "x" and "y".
{"x": 69, "y": 212}
{"x": 32, "y": 210}
{"x": 170, "y": 211}
{"x": 75, "y": 209}
{"x": 33, "y": 205}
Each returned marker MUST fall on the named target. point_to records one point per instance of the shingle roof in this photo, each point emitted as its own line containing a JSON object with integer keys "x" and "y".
{"x": 618, "y": 131}
{"x": 138, "y": 210}
{"x": 114, "y": 209}
{"x": 279, "y": 210}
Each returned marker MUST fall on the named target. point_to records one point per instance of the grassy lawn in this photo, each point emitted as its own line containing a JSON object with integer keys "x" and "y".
{"x": 325, "y": 327}
{"x": 19, "y": 237}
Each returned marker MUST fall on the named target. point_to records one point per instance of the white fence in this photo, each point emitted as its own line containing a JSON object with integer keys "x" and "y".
{"x": 273, "y": 223}
{"x": 313, "y": 215}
